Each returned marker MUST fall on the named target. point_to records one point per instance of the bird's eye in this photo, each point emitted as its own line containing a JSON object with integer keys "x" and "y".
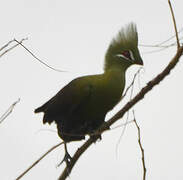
{"x": 126, "y": 54}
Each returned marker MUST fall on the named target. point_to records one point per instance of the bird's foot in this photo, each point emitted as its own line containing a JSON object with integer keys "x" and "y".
{"x": 67, "y": 159}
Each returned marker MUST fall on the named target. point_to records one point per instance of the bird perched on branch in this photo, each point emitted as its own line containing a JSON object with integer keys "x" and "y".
{"x": 81, "y": 106}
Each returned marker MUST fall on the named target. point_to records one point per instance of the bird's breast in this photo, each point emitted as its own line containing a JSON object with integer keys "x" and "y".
{"x": 106, "y": 93}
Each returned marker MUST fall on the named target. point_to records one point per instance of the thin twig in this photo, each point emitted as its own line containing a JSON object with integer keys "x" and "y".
{"x": 127, "y": 117}
{"x": 32, "y": 54}
{"x": 174, "y": 23}
{"x": 158, "y": 46}
{"x": 126, "y": 121}
{"x": 9, "y": 49}
{"x": 170, "y": 38}
{"x": 163, "y": 42}
{"x": 8, "y": 111}
{"x": 155, "y": 51}
{"x": 121, "y": 125}
{"x": 132, "y": 83}
{"x": 37, "y": 161}
{"x": 6, "y": 45}
{"x": 141, "y": 147}
{"x": 105, "y": 126}
{"x": 122, "y": 133}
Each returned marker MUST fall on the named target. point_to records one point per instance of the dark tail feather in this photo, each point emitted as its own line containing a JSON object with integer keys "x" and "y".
{"x": 47, "y": 118}
{"x": 39, "y": 109}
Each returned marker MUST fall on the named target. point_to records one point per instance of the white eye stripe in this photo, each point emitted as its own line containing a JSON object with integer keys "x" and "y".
{"x": 131, "y": 56}
{"x": 120, "y": 55}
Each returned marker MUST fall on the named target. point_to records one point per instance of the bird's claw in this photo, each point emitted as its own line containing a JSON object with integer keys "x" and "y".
{"x": 67, "y": 159}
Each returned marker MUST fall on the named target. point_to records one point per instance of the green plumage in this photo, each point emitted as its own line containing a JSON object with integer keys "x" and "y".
{"x": 81, "y": 106}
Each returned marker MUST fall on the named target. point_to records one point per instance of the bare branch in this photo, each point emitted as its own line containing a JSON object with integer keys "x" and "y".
{"x": 6, "y": 45}
{"x": 122, "y": 133}
{"x": 132, "y": 83}
{"x": 121, "y": 125}
{"x": 155, "y": 51}
{"x": 174, "y": 22}
{"x": 131, "y": 94}
{"x": 141, "y": 147}
{"x": 20, "y": 43}
{"x": 8, "y": 111}
{"x": 32, "y": 54}
{"x": 160, "y": 45}
{"x": 37, "y": 161}
{"x": 170, "y": 38}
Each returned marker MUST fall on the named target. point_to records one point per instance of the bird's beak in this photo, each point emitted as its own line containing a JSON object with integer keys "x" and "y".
{"x": 138, "y": 59}
{"x": 140, "y": 62}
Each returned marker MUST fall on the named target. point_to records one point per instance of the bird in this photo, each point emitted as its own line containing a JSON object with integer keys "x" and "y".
{"x": 80, "y": 107}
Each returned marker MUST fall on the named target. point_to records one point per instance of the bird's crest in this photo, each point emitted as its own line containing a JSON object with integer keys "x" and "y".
{"x": 127, "y": 37}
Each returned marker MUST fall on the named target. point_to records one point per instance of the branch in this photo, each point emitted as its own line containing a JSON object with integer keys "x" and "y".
{"x": 132, "y": 83}
{"x": 120, "y": 114}
{"x": 170, "y": 38}
{"x": 160, "y": 45}
{"x": 141, "y": 148}
{"x": 174, "y": 23}
{"x": 131, "y": 94}
{"x": 20, "y": 43}
{"x": 155, "y": 51}
{"x": 6, "y": 45}
{"x": 8, "y": 111}
{"x": 37, "y": 161}
{"x": 32, "y": 54}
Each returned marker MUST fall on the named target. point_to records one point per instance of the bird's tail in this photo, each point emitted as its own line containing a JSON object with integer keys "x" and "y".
{"x": 39, "y": 109}
{"x": 47, "y": 118}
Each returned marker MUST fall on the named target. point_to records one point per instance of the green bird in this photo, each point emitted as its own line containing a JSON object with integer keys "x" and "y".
{"x": 81, "y": 106}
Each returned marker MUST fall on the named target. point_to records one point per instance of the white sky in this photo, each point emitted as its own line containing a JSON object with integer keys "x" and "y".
{"x": 73, "y": 36}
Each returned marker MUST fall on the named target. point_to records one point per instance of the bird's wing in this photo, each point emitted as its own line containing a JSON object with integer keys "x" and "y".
{"x": 67, "y": 100}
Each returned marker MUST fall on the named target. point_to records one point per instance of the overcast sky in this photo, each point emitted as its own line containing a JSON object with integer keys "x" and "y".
{"x": 73, "y": 36}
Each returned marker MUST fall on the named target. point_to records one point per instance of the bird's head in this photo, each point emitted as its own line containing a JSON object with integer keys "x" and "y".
{"x": 123, "y": 49}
